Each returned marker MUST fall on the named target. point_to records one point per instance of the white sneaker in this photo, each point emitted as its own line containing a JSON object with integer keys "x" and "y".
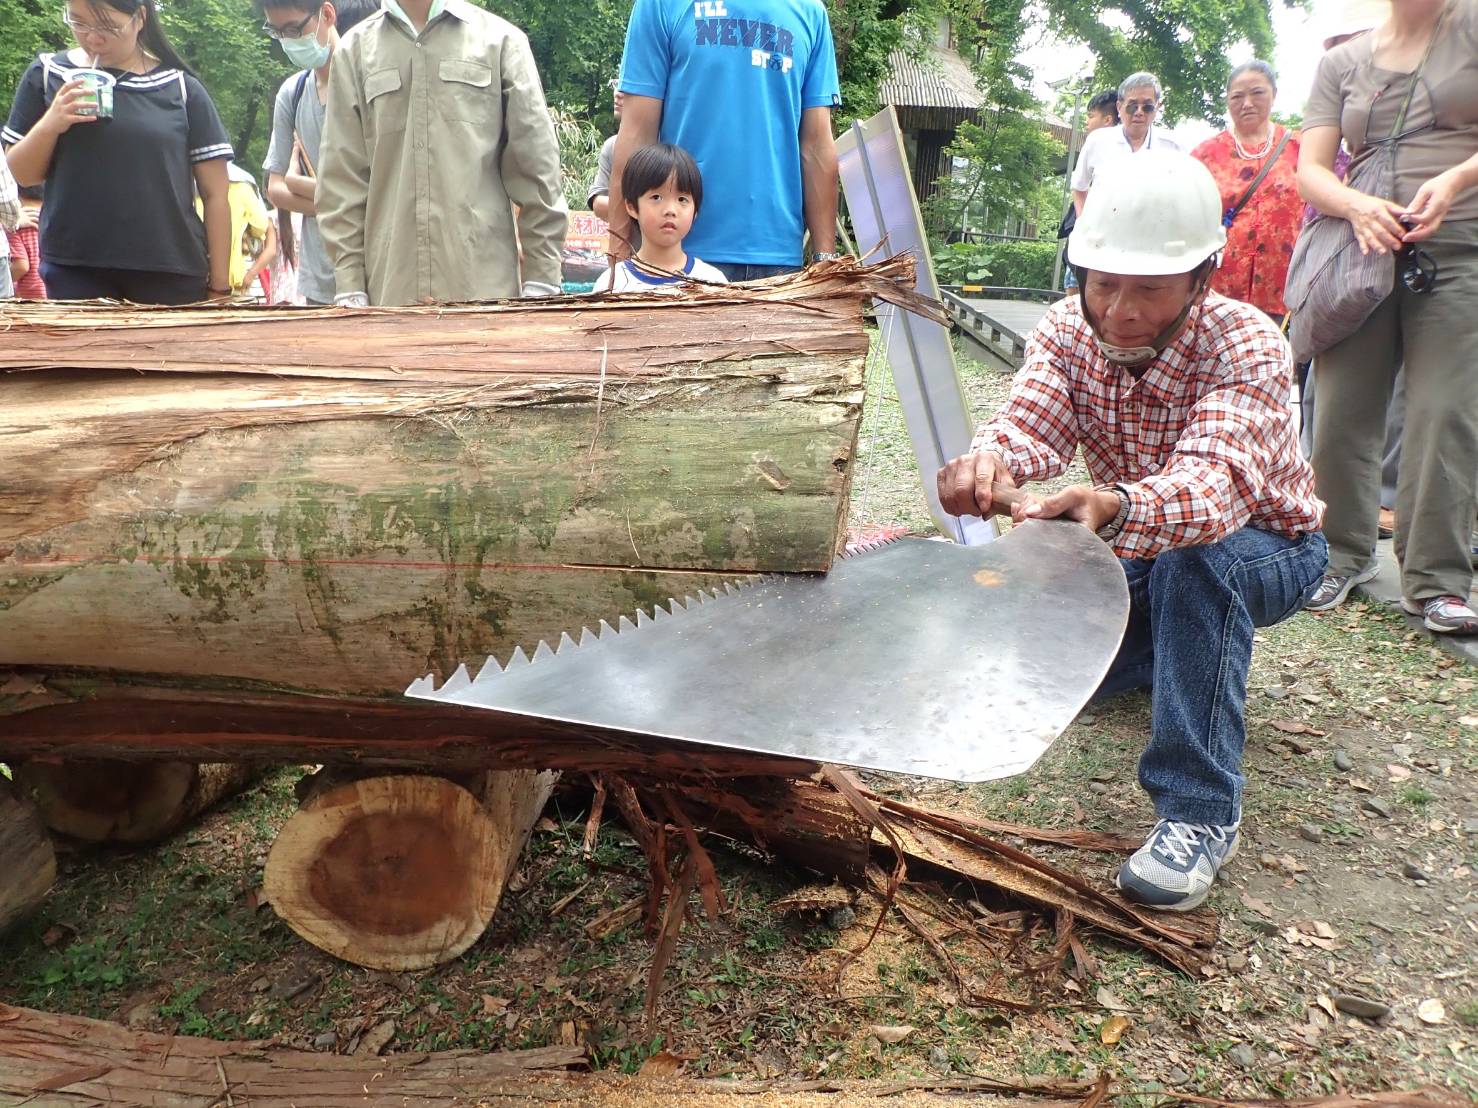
{"x": 1177, "y": 865}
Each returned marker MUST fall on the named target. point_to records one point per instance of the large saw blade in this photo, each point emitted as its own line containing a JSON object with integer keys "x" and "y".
{"x": 917, "y": 656}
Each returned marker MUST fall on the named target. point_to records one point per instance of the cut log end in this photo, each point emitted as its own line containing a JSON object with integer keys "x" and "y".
{"x": 127, "y": 802}
{"x": 27, "y": 861}
{"x": 401, "y": 872}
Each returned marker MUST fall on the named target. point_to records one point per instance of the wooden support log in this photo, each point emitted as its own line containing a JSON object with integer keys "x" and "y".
{"x": 91, "y": 716}
{"x": 27, "y": 861}
{"x": 401, "y": 872}
{"x": 128, "y": 802}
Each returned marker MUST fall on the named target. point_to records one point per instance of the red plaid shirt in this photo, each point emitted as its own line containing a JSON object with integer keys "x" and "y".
{"x": 1204, "y": 441}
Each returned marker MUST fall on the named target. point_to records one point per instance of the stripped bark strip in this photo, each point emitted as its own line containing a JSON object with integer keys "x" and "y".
{"x": 650, "y": 838}
{"x": 672, "y": 923}
{"x": 592, "y": 824}
{"x": 1082, "y": 840}
{"x": 851, "y": 791}
{"x": 968, "y": 994}
{"x": 708, "y": 882}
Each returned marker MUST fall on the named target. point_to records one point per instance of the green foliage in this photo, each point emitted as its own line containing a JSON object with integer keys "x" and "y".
{"x": 961, "y": 263}
{"x": 579, "y": 153}
{"x": 1183, "y": 42}
{"x": 31, "y": 26}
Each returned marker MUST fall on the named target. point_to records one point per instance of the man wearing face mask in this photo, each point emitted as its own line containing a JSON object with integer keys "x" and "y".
{"x": 308, "y": 33}
{"x": 1178, "y": 397}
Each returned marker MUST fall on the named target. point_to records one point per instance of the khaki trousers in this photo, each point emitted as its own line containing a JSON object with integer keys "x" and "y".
{"x": 1436, "y": 336}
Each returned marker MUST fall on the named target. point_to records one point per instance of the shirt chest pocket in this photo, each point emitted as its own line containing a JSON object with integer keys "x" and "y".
{"x": 386, "y": 100}
{"x": 466, "y": 92}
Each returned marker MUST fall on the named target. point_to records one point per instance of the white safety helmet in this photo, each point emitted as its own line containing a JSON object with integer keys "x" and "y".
{"x": 1152, "y": 214}
{"x": 1155, "y": 214}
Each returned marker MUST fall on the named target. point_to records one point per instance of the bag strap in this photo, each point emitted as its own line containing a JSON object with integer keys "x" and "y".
{"x": 1231, "y": 213}
{"x": 1416, "y": 75}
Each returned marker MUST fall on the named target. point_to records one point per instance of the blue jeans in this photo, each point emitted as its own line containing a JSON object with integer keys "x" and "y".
{"x": 1189, "y": 641}
{"x": 744, "y": 271}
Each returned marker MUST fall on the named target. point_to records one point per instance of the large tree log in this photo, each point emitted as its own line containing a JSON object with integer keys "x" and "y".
{"x": 27, "y": 861}
{"x": 401, "y": 872}
{"x": 127, "y": 801}
{"x": 338, "y": 502}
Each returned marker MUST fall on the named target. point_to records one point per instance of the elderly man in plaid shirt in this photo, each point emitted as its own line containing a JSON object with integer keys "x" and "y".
{"x": 1179, "y": 400}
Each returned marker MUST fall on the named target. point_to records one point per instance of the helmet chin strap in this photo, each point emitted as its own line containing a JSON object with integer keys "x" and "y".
{"x": 1138, "y": 355}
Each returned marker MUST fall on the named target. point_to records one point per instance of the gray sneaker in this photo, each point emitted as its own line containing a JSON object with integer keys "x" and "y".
{"x": 1444, "y": 615}
{"x": 1333, "y": 589}
{"x": 1177, "y": 865}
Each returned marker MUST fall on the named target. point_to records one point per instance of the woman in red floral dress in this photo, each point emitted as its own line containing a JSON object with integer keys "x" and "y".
{"x": 1260, "y": 238}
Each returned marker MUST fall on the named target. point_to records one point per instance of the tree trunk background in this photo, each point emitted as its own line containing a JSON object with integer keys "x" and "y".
{"x": 27, "y": 860}
{"x": 128, "y": 802}
{"x": 405, "y": 871}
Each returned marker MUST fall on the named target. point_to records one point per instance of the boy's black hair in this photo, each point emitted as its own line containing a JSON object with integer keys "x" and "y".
{"x": 346, "y": 12}
{"x": 651, "y": 166}
{"x": 1106, "y": 102}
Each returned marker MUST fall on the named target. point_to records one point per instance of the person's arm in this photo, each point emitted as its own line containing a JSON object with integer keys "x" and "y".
{"x": 1429, "y": 207}
{"x": 211, "y": 182}
{"x": 20, "y": 265}
{"x": 1079, "y": 195}
{"x": 10, "y": 199}
{"x": 344, "y": 178}
{"x": 30, "y": 157}
{"x": 599, "y": 198}
{"x": 530, "y": 169}
{"x": 1375, "y": 220}
{"x": 641, "y": 120}
{"x": 263, "y": 260}
{"x": 819, "y": 178}
{"x": 285, "y": 198}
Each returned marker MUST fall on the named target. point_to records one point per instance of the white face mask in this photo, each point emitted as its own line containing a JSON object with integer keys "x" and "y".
{"x": 306, "y": 52}
{"x": 1125, "y": 355}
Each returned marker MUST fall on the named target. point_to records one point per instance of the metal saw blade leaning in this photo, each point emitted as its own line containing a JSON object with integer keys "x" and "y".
{"x": 916, "y": 656}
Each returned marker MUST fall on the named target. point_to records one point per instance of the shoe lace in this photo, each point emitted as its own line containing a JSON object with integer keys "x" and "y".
{"x": 1177, "y": 841}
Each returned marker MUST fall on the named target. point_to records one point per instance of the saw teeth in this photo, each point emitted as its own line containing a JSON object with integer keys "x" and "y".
{"x": 421, "y": 686}
{"x": 564, "y": 641}
{"x": 542, "y": 651}
{"x": 517, "y": 658}
{"x": 459, "y": 680}
{"x": 624, "y": 624}
{"x": 642, "y": 619}
{"x": 587, "y": 636}
{"x": 489, "y": 668}
{"x": 605, "y": 629}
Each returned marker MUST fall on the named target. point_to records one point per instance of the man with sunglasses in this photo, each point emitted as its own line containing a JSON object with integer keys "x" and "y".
{"x": 1140, "y": 99}
{"x": 308, "y": 32}
{"x": 1177, "y": 399}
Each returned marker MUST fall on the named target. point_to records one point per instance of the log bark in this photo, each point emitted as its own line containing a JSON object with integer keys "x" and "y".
{"x": 54, "y": 1060}
{"x": 126, "y": 801}
{"x": 27, "y": 859}
{"x": 405, "y": 871}
{"x": 416, "y": 490}
{"x": 74, "y": 716}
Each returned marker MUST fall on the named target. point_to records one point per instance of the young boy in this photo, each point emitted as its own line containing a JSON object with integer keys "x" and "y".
{"x": 308, "y": 31}
{"x": 662, "y": 191}
{"x": 25, "y": 247}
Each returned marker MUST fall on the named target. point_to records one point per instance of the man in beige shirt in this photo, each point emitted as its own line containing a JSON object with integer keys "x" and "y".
{"x": 436, "y": 127}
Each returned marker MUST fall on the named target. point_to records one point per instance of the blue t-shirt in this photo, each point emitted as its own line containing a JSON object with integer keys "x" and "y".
{"x": 734, "y": 77}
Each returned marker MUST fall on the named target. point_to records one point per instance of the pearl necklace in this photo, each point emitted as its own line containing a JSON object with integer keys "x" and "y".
{"x": 1253, "y": 155}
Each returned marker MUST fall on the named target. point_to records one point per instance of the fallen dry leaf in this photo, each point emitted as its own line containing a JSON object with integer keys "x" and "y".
{"x": 1113, "y": 1029}
{"x": 1261, "y": 907}
{"x": 1296, "y": 727}
{"x": 1328, "y": 1005}
{"x": 1109, "y": 1000}
{"x": 1431, "y": 1011}
{"x": 492, "y": 1005}
{"x": 662, "y": 1064}
{"x": 890, "y": 1033}
{"x": 376, "y": 1039}
{"x": 1398, "y": 773}
{"x": 1468, "y": 721}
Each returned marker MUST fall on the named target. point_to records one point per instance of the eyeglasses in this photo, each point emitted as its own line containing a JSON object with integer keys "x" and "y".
{"x": 87, "y": 28}
{"x": 1417, "y": 270}
{"x": 295, "y": 31}
{"x": 1135, "y": 107}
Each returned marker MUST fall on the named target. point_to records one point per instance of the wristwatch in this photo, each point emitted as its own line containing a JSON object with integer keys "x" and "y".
{"x": 825, "y": 256}
{"x": 1110, "y": 529}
